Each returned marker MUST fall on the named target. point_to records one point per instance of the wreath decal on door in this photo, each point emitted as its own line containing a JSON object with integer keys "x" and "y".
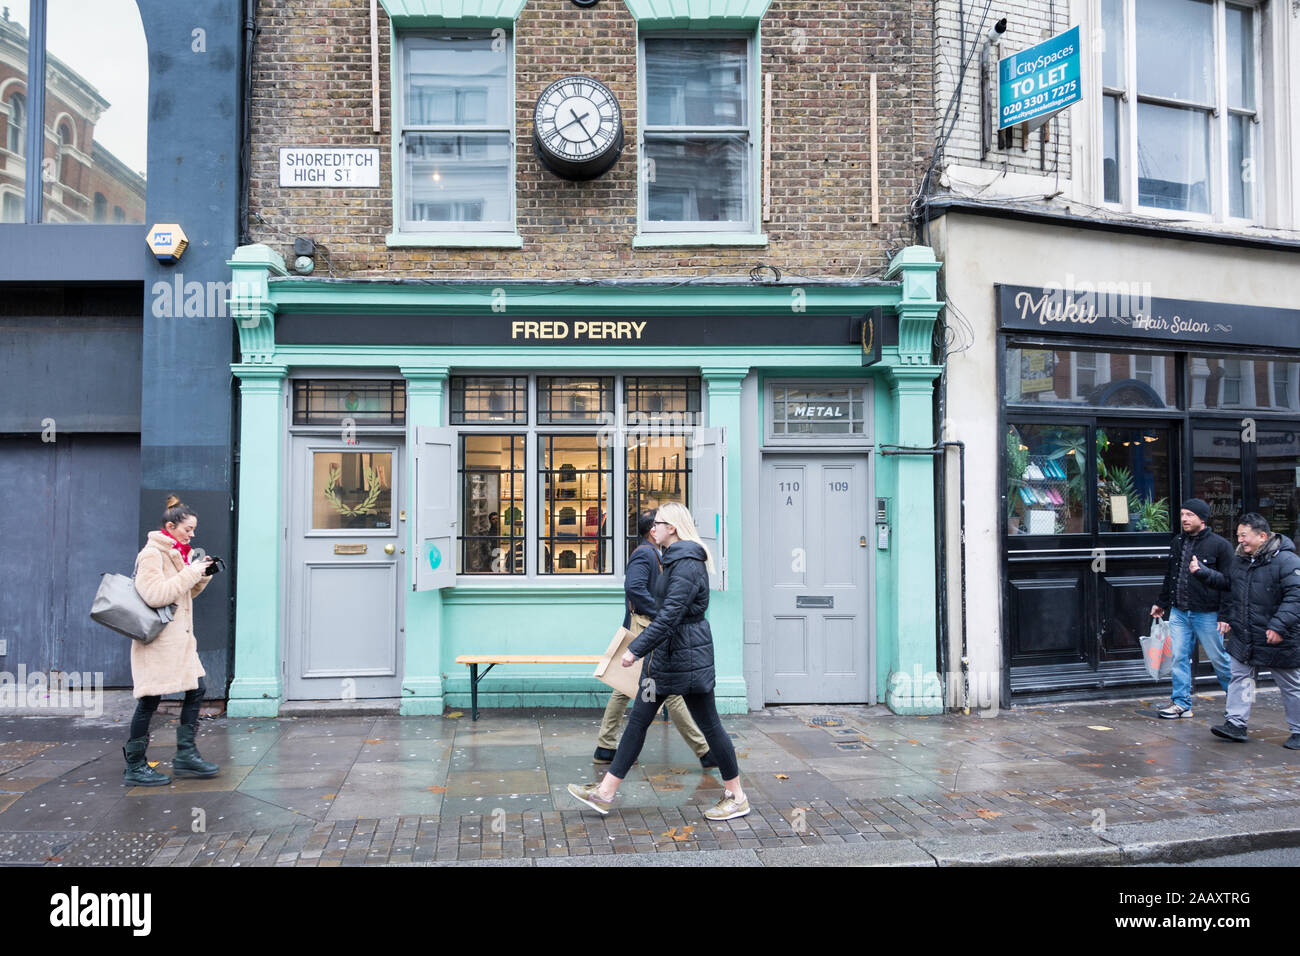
{"x": 366, "y": 507}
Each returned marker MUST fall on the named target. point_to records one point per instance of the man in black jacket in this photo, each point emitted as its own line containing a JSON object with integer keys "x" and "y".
{"x": 1196, "y": 605}
{"x": 1264, "y": 612}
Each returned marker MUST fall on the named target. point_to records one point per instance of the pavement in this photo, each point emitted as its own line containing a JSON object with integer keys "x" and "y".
{"x": 1089, "y": 783}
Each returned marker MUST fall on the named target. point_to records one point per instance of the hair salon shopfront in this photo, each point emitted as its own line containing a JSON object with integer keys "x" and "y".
{"x": 436, "y": 469}
{"x": 1132, "y": 372}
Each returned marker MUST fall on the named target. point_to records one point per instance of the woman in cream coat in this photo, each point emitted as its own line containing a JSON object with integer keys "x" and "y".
{"x": 170, "y": 663}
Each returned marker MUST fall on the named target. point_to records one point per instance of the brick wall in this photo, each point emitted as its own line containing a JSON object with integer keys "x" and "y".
{"x": 1028, "y": 22}
{"x": 311, "y": 86}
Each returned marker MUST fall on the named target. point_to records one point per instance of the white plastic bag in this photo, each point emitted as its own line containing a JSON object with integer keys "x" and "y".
{"x": 1158, "y": 650}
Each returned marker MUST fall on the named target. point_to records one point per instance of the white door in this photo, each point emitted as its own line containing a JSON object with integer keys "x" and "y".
{"x": 817, "y": 629}
{"x": 346, "y": 566}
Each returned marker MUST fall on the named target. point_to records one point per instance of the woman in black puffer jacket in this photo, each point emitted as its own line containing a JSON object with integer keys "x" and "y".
{"x": 678, "y": 651}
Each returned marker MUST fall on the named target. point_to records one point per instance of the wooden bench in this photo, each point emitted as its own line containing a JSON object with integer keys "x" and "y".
{"x": 492, "y": 660}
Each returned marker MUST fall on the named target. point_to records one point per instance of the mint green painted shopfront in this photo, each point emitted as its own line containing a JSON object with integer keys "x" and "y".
{"x": 428, "y": 470}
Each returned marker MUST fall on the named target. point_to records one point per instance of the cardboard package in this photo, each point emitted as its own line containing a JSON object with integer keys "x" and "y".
{"x": 610, "y": 670}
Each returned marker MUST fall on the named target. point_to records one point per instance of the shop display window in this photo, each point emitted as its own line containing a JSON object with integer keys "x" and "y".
{"x": 576, "y": 475}
{"x": 1217, "y": 476}
{"x": 638, "y": 457}
{"x": 1091, "y": 379}
{"x": 1133, "y": 479}
{"x": 1243, "y": 382}
{"x": 489, "y": 399}
{"x": 658, "y": 471}
{"x": 1046, "y": 466}
{"x": 492, "y": 504}
{"x": 351, "y": 489}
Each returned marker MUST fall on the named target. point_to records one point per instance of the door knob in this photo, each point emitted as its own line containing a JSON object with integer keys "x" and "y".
{"x": 389, "y": 549}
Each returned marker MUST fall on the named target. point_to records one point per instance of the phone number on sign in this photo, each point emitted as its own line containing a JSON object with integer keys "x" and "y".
{"x": 1044, "y": 98}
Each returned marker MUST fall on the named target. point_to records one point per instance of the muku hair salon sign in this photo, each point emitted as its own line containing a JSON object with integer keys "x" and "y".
{"x": 1128, "y": 311}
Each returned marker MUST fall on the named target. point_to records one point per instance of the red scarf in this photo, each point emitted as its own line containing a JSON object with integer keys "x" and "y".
{"x": 184, "y": 549}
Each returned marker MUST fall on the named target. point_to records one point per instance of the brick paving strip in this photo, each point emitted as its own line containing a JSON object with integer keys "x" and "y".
{"x": 532, "y": 834}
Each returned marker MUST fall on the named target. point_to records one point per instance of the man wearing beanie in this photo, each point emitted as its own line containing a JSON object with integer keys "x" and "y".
{"x": 1199, "y": 609}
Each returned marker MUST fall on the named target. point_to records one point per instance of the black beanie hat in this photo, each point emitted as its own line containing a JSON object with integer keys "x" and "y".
{"x": 1197, "y": 507}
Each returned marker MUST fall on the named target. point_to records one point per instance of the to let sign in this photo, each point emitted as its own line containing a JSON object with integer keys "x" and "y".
{"x": 1039, "y": 81}
{"x": 325, "y": 167}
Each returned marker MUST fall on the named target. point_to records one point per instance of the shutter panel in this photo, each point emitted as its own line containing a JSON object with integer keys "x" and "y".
{"x": 708, "y": 497}
{"x": 435, "y": 508}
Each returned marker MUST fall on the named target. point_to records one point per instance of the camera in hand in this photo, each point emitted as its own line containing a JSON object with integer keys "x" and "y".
{"x": 216, "y": 565}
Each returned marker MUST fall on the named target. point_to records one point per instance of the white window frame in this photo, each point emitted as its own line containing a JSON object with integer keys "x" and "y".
{"x": 533, "y": 430}
{"x": 1101, "y": 371}
{"x": 408, "y": 227}
{"x": 1128, "y": 100}
{"x": 753, "y": 107}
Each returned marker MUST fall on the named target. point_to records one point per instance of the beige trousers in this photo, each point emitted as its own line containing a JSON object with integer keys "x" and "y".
{"x": 675, "y": 706}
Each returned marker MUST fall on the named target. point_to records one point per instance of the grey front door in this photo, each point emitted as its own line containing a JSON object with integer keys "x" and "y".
{"x": 817, "y": 633}
{"x": 346, "y": 566}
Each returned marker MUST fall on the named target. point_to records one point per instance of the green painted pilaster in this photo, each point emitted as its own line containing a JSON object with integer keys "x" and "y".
{"x": 914, "y": 685}
{"x": 726, "y": 609}
{"x": 256, "y": 690}
{"x": 422, "y": 690}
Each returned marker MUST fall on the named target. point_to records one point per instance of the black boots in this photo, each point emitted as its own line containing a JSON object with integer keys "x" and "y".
{"x": 138, "y": 773}
{"x": 188, "y": 762}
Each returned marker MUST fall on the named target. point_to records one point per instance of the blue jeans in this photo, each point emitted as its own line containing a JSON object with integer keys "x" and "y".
{"x": 1187, "y": 628}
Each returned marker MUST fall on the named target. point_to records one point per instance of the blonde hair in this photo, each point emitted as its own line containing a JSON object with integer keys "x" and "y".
{"x": 676, "y": 515}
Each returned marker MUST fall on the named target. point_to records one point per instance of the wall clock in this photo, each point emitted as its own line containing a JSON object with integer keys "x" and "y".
{"x": 577, "y": 128}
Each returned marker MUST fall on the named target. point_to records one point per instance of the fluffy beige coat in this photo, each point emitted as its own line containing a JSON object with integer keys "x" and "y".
{"x": 170, "y": 663}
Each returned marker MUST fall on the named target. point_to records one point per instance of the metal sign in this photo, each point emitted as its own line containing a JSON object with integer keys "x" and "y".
{"x": 1039, "y": 81}
{"x": 325, "y": 167}
{"x": 167, "y": 241}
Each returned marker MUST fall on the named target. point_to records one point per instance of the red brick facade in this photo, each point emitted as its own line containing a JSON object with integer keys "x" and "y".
{"x": 312, "y": 83}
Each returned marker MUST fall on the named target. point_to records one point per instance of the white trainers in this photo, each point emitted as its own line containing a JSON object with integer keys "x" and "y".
{"x": 728, "y": 808}
{"x": 1174, "y": 711}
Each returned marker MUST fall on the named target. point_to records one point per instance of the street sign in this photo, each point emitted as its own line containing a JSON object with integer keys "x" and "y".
{"x": 1039, "y": 81}
{"x": 324, "y": 167}
{"x": 167, "y": 241}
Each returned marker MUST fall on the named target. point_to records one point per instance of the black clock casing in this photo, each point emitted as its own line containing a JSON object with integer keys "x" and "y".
{"x": 577, "y": 128}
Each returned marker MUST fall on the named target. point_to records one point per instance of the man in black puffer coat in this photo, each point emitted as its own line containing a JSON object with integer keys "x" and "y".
{"x": 1265, "y": 625}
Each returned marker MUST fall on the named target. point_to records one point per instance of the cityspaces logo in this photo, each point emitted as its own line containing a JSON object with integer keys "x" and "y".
{"x": 58, "y": 689}
{"x": 77, "y": 909}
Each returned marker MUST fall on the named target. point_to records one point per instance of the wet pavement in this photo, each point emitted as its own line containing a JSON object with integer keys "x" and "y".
{"x": 387, "y": 790}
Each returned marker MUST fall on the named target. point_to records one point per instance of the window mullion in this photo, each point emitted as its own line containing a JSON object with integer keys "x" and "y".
{"x": 1129, "y": 127}
{"x": 1220, "y": 206}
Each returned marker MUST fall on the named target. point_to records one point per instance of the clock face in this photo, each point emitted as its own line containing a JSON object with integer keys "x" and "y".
{"x": 577, "y": 128}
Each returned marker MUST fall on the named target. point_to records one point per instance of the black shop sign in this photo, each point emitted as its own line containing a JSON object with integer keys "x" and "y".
{"x": 1123, "y": 311}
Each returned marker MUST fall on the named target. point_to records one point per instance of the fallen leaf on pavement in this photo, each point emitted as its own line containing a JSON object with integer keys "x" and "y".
{"x": 375, "y": 740}
{"x": 987, "y": 814}
{"x": 683, "y": 836}
{"x": 329, "y": 796}
{"x": 437, "y": 789}
{"x": 1099, "y": 727}
{"x": 456, "y": 713}
{"x": 782, "y": 776}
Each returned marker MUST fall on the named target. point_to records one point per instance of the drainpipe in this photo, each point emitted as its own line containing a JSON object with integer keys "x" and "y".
{"x": 245, "y": 147}
{"x": 939, "y": 450}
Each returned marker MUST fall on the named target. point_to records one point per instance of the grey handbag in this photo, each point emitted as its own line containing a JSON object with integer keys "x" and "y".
{"x": 118, "y": 605}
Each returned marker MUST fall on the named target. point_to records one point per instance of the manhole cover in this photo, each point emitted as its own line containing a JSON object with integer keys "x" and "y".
{"x": 113, "y": 849}
{"x": 825, "y": 720}
{"x": 31, "y": 847}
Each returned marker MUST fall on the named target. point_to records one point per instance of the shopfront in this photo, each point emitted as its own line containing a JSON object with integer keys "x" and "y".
{"x": 430, "y": 470}
{"x": 1149, "y": 402}
{"x": 1105, "y": 376}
